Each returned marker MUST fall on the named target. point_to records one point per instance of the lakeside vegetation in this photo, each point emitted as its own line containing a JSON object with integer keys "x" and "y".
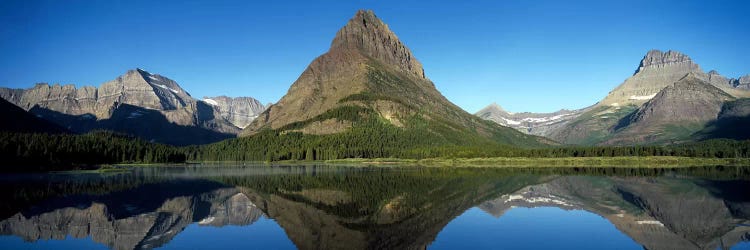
{"x": 50, "y": 152}
{"x": 524, "y": 162}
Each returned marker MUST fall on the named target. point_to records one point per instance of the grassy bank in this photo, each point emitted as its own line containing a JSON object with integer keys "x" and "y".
{"x": 627, "y": 161}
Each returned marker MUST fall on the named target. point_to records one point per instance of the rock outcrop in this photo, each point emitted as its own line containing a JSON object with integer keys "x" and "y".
{"x": 139, "y": 103}
{"x": 742, "y": 83}
{"x": 240, "y": 111}
{"x": 366, "y": 33}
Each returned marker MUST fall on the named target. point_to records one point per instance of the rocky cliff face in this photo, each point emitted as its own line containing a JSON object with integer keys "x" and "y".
{"x": 541, "y": 124}
{"x": 140, "y": 103}
{"x": 366, "y": 33}
{"x": 240, "y": 111}
{"x": 658, "y": 70}
{"x": 742, "y": 83}
{"x": 368, "y": 67}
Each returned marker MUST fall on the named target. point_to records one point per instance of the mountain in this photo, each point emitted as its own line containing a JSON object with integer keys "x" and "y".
{"x": 24, "y": 122}
{"x": 541, "y": 124}
{"x": 657, "y": 70}
{"x": 139, "y": 103}
{"x": 369, "y": 79}
{"x": 670, "y": 115}
{"x": 240, "y": 111}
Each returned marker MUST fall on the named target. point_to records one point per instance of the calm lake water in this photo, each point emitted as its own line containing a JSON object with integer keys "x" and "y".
{"x": 328, "y": 207}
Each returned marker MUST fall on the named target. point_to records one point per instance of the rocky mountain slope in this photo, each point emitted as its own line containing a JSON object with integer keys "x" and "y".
{"x": 599, "y": 123}
{"x": 240, "y": 111}
{"x": 541, "y": 124}
{"x": 670, "y": 115}
{"x": 369, "y": 74}
{"x": 139, "y": 103}
{"x": 732, "y": 122}
{"x": 657, "y": 71}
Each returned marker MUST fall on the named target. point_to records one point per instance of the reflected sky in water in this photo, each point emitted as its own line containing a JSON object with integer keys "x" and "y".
{"x": 325, "y": 207}
{"x": 532, "y": 228}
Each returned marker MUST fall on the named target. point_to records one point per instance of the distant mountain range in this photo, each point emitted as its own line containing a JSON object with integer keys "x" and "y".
{"x": 669, "y": 99}
{"x": 139, "y": 103}
{"x": 370, "y": 84}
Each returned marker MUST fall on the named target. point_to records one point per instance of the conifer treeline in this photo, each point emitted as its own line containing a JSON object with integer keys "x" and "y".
{"x": 45, "y": 152}
{"x": 272, "y": 146}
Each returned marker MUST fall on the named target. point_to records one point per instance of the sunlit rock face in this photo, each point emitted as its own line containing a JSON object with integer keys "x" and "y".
{"x": 658, "y": 70}
{"x": 139, "y": 103}
{"x": 658, "y": 79}
{"x": 240, "y": 111}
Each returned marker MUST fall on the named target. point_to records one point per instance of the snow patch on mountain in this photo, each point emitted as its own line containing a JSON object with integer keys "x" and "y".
{"x": 211, "y": 101}
{"x": 642, "y": 97}
{"x": 167, "y": 88}
{"x": 510, "y": 122}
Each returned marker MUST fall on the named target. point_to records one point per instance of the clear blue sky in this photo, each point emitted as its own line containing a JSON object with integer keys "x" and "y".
{"x": 535, "y": 56}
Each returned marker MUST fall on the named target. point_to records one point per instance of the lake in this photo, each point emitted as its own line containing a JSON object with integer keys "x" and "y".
{"x": 339, "y": 207}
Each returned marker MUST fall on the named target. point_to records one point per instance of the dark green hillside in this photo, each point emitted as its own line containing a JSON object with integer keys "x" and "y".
{"x": 46, "y": 152}
{"x": 18, "y": 120}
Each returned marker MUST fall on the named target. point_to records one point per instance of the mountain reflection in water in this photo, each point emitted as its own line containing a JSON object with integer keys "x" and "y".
{"x": 324, "y": 207}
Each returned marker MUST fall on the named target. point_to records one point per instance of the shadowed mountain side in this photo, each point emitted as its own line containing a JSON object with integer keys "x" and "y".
{"x": 140, "y": 122}
{"x": 733, "y": 122}
{"x": 18, "y": 120}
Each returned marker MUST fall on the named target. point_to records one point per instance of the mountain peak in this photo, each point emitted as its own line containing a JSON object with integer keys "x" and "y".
{"x": 657, "y": 58}
{"x": 366, "y": 33}
{"x": 497, "y": 107}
